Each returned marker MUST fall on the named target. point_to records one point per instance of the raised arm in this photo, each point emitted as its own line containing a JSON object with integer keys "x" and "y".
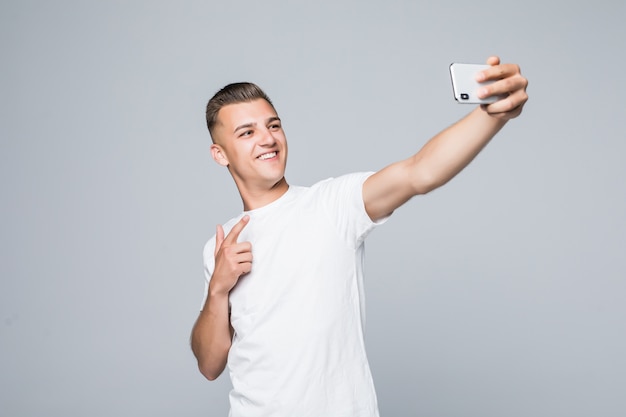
{"x": 451, "y": 150}
{"x": 212, "y": 334}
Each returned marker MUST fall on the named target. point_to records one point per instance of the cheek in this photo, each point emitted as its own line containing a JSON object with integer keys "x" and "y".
{"x": 283, "y": 140}
{"x": 244, "y": 154}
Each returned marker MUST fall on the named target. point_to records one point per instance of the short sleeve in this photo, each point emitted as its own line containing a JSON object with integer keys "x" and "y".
{"x": 343, "y": 201}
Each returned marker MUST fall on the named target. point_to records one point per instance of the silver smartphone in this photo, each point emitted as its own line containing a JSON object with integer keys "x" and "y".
{"x": 465, "y": 86}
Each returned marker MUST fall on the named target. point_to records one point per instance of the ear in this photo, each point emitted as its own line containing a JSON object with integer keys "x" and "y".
{"x": 218, "y": 155}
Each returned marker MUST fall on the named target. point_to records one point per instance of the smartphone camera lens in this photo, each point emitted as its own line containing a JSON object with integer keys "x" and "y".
{"x": 464, "y": 96}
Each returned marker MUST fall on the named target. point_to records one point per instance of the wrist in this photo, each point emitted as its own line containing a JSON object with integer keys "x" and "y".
{"x": 217, "y": 291}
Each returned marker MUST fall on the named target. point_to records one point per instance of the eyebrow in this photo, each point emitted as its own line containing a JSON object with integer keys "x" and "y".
{"x": 244, "y": 126}
{"x": 252, "y": 124}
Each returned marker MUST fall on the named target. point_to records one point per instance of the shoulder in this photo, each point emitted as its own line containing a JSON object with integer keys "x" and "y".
{"x": 343, "y": 192}
{"x": 354, "y": 179}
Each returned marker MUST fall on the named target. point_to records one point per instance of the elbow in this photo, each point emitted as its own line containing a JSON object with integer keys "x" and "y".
{"x": 208, "y": 366}
{"x": 423, "y": 189}
{"x": 210, "y": 359}
{"x": 424, "y": 183}
{"x": 422, "y": 178}
{"x": 210, "y": 376}
{"x": 209, "y": 372}
{"x": 211, "y": 363}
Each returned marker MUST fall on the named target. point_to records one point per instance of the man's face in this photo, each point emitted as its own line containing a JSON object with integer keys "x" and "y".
{"x": 249, "y": 139}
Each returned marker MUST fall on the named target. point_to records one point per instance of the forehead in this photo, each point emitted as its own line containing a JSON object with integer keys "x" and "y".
{"x": 233, "y": 115}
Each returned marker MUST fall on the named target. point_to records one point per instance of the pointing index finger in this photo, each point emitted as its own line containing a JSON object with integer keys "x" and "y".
{"x": 233, "y": 235}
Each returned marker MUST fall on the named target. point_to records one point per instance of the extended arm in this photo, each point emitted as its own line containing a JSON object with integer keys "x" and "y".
{"x": 447, "y": 153}
{"x": 211, "y": 336}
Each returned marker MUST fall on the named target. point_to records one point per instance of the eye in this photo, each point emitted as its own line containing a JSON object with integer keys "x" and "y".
{"x": 246, "y": 133}
{"x": 274, "y": 126}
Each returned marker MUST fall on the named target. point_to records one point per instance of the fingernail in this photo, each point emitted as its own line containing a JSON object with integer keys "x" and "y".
{"x": 483, "y": 92}
{"x": 480, "y": 77}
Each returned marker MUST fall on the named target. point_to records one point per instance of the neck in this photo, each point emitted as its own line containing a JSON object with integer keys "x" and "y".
{"x": 254, "y": 198}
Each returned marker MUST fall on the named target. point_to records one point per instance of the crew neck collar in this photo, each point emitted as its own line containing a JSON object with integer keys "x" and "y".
{"x": 280, "y": 200}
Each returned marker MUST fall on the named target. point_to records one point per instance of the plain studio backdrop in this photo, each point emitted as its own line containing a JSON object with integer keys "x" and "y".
{"x": 501, "y": 294}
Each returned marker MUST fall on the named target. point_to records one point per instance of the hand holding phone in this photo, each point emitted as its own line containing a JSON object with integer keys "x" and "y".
{"x": 465, "y": 86}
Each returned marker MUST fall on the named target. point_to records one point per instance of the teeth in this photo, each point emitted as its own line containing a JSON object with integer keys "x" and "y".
{"x": 267, "y": 155}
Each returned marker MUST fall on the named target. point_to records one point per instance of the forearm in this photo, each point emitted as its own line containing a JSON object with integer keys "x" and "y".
{"x": 211, "y": 336}
{"x": 446, "y": 154}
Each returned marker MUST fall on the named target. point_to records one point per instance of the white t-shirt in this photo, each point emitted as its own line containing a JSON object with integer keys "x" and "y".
{"x": 298, "y": 348}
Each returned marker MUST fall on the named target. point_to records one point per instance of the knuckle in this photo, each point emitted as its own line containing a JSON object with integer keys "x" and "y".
{"x": 524, "y": 96}
{"x": 510, "y": 105}
{"x": 515, "y": 106}
{"x": 509, "y": 84}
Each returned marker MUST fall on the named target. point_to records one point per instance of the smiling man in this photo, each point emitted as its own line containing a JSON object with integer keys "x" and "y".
{"x": 283, "y": 304}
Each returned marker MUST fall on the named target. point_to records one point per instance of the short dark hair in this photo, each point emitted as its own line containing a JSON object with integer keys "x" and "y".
{"x": 232, "y": 94}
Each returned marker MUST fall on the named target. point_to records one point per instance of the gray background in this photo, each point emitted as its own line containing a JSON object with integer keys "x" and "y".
{"x": 500, "y": 294}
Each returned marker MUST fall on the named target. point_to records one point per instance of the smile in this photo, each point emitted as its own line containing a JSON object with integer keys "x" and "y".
{"x": 268, "y": 155}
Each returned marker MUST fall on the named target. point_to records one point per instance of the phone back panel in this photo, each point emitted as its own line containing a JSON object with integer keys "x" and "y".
{"x": 465, "y": 86}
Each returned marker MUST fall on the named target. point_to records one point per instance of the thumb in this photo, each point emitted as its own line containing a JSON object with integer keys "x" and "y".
{"x": 493, "y": 60}
{"x": 219, "y": 238}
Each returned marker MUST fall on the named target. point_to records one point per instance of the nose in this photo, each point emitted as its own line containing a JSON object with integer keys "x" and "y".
{"x": 267, "y": 139}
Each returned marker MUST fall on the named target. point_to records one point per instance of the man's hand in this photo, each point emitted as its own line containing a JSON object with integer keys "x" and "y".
{"x": 451, "y": 150}
{"x": 508, "y": 82}
{"x": 232, "y": 259}
{"x": 212, "y": 334}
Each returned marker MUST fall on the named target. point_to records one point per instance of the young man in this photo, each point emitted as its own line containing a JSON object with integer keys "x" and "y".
{"x": 284, "y": 302}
